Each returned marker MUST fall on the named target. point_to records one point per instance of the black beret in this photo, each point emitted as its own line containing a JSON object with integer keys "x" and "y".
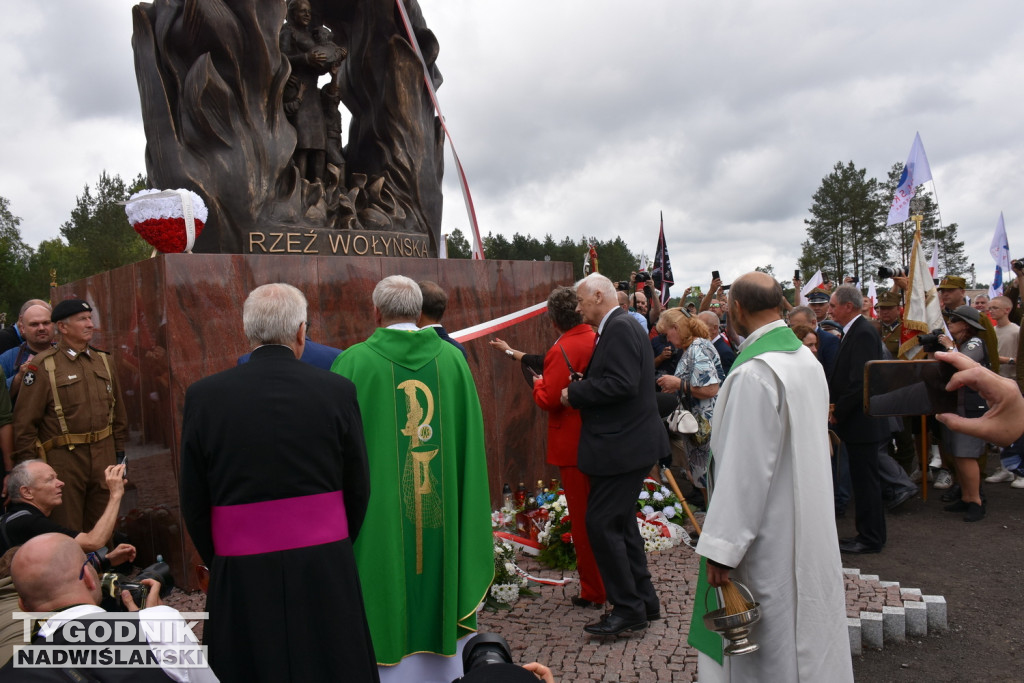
{"x": 66, "y": 309}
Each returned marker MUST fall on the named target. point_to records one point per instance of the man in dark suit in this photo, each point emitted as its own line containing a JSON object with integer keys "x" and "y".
{"x": 435, "y": 302}
{"x": 863, "y": 435}
{"x": 274, "y": 489}
{"x": 621, "y": 439}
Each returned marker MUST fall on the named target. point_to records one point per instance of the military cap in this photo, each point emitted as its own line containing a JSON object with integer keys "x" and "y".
{"x": 969, "y": 315}
{"x": 952, "y": 282}
{"x": 818, "y": 297}
{"x": 888, "y": 300}
{"x": 66, "y": 309}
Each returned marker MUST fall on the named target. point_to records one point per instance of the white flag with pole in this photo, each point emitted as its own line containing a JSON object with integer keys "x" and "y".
{"x": 915, "y": 172}
{"x": 1000, "y": 250}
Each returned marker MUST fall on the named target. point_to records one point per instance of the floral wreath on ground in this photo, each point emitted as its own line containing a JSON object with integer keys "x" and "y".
{"x": 508, "y": 584}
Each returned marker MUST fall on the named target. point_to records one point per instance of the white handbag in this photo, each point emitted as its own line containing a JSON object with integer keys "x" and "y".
{"x": 681, "y": 421}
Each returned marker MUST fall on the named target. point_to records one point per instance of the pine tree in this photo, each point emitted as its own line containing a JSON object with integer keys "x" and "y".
{"x": 844, "y": 235}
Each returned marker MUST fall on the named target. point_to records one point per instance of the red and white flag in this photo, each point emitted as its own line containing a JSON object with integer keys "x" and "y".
{"x": 590, "y": 261}
{"x": 872, "y": 300}
{"x": 933, "y": 267}
{"x": 816, "y": 281}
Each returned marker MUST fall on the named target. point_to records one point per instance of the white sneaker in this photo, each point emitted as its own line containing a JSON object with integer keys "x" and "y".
{"x": 943, "y": 480}
{"x": 1000, "y": 476}
{"x": 1018, "y": 483}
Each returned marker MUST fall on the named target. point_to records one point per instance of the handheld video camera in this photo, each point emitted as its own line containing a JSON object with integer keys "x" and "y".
{"x": 896, "y": 271}
{"x": 930, "y": 342}
{"x": 113, "y": 583}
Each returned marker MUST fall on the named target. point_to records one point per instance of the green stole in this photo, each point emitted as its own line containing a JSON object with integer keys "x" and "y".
{"x": 701, "y": 638}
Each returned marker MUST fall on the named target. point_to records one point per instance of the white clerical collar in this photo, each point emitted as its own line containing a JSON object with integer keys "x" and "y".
{"x": 759, "y": 332}
{"x": 600, "y": 328}
{"x": 847, "y": 326}
{"x": 408, "y": 327}
{"x": 717, "y": 337}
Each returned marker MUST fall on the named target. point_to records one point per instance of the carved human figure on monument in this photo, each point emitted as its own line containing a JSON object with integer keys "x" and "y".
{"x": 311, "y": 54}
{"x": 330, "y": 98}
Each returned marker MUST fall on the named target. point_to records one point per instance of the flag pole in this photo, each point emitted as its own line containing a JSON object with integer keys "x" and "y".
{"x": 924, "y": 419}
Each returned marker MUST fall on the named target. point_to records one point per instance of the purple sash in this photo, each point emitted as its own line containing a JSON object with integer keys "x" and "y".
{"x": 284, "y": 524}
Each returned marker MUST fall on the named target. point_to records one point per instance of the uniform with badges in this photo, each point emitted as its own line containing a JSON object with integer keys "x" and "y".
{"x": 70, "y": 413}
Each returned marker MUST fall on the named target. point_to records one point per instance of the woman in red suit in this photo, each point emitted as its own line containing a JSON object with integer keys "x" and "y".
{"x": 577, "y": 340}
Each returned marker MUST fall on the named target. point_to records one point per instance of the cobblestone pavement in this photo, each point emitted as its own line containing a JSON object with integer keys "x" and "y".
{"x": 548, "y": 629}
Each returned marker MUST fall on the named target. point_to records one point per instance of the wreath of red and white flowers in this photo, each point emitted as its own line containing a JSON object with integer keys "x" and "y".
{"x": 170, "y": 220}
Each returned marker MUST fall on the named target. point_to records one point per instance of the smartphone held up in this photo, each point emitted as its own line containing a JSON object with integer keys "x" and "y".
{"x": 894, "y": 388}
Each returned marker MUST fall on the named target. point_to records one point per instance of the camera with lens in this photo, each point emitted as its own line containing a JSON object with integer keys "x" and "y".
{"x": 488, "y": 657}
{"x": 896, "y": 271}
{"x": 112, "y": 583}
{"x": 930, "y": 342}
{"x": 1018, "y": 264}
{"x": 622, "y": 286}
{"x": 643, "y": 276}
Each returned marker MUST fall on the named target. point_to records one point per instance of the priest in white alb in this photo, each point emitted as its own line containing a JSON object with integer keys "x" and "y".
{"x": 770, "y": 523}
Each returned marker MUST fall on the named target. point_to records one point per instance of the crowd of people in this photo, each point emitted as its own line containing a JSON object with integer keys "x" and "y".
{"x": 386, "y": 586}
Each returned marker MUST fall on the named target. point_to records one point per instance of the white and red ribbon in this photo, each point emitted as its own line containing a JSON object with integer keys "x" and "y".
{"x": 478, "y": 246}
{"x": 501, "y": 323}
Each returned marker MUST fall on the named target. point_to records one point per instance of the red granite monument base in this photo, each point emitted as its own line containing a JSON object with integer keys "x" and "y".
{"x": 176, "y": 318}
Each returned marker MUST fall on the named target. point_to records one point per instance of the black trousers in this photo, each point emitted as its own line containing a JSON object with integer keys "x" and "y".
{"x": 618, "y": 546}
{"x": 867, "y": 492}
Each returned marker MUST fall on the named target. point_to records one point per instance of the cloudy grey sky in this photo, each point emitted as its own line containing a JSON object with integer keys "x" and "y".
{"x": 577, "y": 118}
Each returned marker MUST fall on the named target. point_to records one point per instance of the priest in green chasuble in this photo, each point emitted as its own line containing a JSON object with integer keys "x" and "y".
{"x": 425, "y": 551}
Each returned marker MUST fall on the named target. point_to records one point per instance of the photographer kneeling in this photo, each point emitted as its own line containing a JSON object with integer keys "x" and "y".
{"x": 34, "y": 491}
{"x": 52, "y": 574}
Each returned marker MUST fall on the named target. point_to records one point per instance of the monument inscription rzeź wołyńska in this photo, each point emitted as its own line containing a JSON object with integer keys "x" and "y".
{"x": 240, "y": 104}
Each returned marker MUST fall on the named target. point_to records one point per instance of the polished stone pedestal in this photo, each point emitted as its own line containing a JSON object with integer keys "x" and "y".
{"x": 176, "y": 318}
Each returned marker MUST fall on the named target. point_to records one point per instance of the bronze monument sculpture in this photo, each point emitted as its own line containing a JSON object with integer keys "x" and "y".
{"x": 232, "y": 109}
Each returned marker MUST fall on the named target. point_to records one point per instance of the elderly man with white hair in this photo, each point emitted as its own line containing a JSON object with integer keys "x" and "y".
{"x": 425, "y": 557}
{"x": 274, "y": 489}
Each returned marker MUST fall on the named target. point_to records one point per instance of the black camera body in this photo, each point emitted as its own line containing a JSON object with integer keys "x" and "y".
{"x": 487, "y": 658}
{"x": 643, "y": 276}
{"x": 1018, "y": 264}
{"x": 622, "y": 286}
{"x": 112, "y": 584}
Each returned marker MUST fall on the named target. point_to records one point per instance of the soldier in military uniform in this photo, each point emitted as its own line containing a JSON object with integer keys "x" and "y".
{"x": 70, "y": 414}
{"x": 890, "y": 324}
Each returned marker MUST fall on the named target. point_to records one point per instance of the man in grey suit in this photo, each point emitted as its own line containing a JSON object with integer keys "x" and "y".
{"x": 621, "y": 439}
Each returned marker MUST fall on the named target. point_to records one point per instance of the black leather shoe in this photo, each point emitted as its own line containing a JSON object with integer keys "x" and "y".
{"x": 654, "y": 616}
{"x": 613, "y": 625}
{"x": 956, "y": 506}
{"x": 901, "y": 498}
{"x": 975, "y": 513}
{"x": 854, "y": 547}
{"x": 585, "y": 604}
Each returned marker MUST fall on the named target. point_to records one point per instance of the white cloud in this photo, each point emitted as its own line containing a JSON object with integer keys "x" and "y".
{"x": 576, "y": 117}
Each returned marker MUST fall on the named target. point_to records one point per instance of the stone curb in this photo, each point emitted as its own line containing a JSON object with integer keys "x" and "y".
{"x": 918, "y": 615}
